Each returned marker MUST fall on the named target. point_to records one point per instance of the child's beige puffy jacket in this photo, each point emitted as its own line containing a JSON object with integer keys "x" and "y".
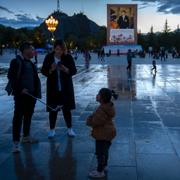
{"x": 101, "y": 122}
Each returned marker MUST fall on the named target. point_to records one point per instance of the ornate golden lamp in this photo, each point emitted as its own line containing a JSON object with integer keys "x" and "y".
{"x": 51, "y": 24}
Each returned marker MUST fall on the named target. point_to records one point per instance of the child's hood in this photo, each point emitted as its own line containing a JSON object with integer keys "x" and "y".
{"x": 109, "y": 109}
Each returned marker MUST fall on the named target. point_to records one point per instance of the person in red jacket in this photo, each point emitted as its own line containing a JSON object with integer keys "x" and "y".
{"x": 103, "y": 129}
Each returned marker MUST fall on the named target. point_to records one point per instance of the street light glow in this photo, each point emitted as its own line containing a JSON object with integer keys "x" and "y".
{"x": 51, "y": 24}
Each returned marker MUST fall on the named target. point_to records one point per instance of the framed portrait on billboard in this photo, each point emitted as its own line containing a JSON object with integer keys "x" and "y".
{"x": 122, "y": 24}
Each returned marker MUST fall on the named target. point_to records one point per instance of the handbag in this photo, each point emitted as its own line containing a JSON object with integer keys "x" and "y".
{"x": 9, "y": 86}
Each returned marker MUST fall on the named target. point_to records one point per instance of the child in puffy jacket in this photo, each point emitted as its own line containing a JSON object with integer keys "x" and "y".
{"x": 103, "y": 129}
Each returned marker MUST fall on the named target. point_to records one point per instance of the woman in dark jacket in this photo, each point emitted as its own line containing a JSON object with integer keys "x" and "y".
{"x": 59, "y": 68}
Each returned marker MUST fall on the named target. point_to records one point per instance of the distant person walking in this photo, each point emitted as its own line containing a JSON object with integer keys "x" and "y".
{"x": 24, "y": 79}
{"x": 99, "y": 54}
{"x": 118, "y": 52}
{"x": 87, "y": 58}
{"x": 150, "y": 51}
{"x": 173, "y": 53}
{"x": 109, "y": 52}
{"x": 129, "y": 60}
{"x": 166, "y": 54}
{"x": 102, "y": 54}
{"x": 154, "y": 68}
{"x": 163, "y": 55}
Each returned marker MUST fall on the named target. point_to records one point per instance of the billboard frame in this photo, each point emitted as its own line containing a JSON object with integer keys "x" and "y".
{"x": 134, "y": 6}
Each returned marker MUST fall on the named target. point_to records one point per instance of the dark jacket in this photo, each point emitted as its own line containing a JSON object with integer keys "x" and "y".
{"x": 66, "y": 80}
{"x": 101, "y": 122}
{"x": 129, "y": 57}
{"x": 123, "y": 24}
{"x": 17, "y": 65}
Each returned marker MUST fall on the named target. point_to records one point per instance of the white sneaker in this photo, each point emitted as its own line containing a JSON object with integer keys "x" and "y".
{"x": 71, "y": 133}
{"x": 96, "y": 174}
{"x": 51, "y": 133}
{"x": 16, "y": 148}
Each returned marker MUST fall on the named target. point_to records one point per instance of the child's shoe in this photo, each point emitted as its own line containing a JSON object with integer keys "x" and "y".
{"x": 96, "y": 174}
{"x": 105, "y": 168}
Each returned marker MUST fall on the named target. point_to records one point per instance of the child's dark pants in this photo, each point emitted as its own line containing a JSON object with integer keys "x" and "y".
{"x": 102, "y": 151}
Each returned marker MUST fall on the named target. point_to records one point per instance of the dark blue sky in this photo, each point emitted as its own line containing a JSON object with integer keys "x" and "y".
{"x": 20, "y": 13}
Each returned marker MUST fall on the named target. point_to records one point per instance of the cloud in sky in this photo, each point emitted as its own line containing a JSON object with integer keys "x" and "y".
{"x": 144, "y": 5}
{"x": 165, "y": 6}
{"x": 21, "y": 20}
{"x": 18, "y": 14}
{"x": 6, "y": 10}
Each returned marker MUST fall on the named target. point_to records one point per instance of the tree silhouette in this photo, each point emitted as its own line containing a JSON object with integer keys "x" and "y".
{"x": 166, "y": 27}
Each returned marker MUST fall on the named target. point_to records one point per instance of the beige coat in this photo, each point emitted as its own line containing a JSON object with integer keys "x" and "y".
{"x": 101, "y": 122}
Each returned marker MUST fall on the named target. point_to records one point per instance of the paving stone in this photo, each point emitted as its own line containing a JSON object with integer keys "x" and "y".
{"x": 147, "y": 145}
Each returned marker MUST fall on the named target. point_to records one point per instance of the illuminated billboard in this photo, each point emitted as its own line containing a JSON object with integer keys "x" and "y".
{"x": 121, "y": 24}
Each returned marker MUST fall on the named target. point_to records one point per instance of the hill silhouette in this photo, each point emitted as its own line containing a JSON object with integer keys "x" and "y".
{"x": 77, "y": 25}
{"x": 77, "y": 31}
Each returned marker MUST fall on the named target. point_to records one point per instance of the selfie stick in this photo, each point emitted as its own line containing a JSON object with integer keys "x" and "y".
{"x": 52, "y": 109}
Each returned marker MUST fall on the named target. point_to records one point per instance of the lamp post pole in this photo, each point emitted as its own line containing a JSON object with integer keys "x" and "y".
{"x": 52, "y": 25}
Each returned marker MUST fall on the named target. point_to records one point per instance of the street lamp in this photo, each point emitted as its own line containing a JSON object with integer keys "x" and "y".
{"x": 51, "y": 24}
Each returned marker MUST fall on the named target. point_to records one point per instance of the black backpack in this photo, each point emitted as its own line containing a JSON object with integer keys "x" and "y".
{"x": 9, "y": 87}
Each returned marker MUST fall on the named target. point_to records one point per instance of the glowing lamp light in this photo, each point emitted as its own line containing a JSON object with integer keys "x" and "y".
{"x": 51, "y": 24}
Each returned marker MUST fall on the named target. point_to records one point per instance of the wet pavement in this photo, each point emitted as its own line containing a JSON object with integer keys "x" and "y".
{"x": 147, "y": 146}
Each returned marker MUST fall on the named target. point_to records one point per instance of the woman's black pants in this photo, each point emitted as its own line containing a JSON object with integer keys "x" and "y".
{"x": 67, "y": 117}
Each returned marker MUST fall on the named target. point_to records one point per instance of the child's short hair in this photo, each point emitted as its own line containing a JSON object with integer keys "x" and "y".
{"x": 106, "y": 95}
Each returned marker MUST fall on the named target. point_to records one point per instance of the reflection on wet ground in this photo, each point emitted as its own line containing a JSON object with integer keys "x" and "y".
{"x": 147, "y": 145}
{"x": 122, "y": 81}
